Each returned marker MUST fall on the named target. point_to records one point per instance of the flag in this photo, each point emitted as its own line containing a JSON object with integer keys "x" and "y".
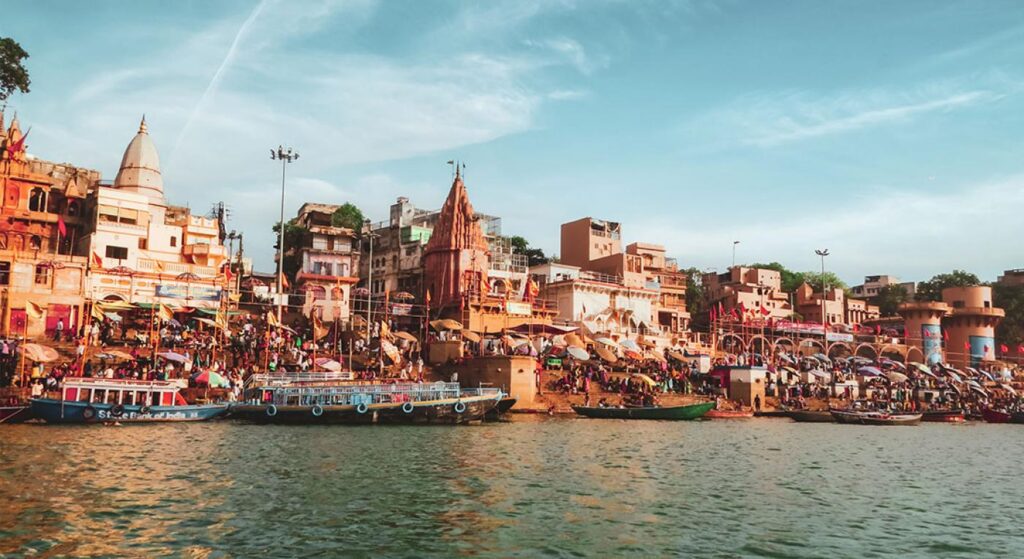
{"x": 226, "y": 269}
{"x": 221, "y": 320}
{"x": 712, "y": 313}
{"x": 385, "y": 330}
{"x": 967, "y": 346}
{"x": 234, "y": 297}
{"x": 19, "y": 145}
{"x": 721, "y": 310}
{"x": 427, "y": 298}
{"x": 62, "y": 228}
{"x": 765, "y": 311}
{"x": 1003, "y": 349}
{"x": 532, "y": 289}
{"x": 1020, "y": 348}
{"x": 284, "y": 282}
{"x": 272, "y": 319}
{"x": 159, "y": 266}
{"x": 945, "y": 335}
{"x": 318, "y": 328}
{"x": 97, "y": 313}
{"x": 97, "y": 260}
{"x": 743, "y": 309}
{"x": 878, "y": 330}
{"x": 33, "y": 310}
{"x": 164, "y": 313}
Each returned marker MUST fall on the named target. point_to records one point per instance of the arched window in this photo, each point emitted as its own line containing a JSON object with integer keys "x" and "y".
{"x": 37, "y": 200}
{"x": 3, "y": 241}
{"x": 73, "y": 207}
{"x": 318, "y": 292}
{"x": 337, "y": 294}
{"x": 55, "y": 202}
{"x": 35, "y": 243}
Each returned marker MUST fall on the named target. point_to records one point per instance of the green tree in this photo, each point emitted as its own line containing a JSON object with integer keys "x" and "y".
{"x": 348, "y": 216}
{"x": 931, "y": 290}
{"x": 790, "y": 279}
{"x": 831, "y": 280}
{"x": 13, "y": 75}
{"x": 294, "y": 236}
{"x": 534, "y": 256}
{"x": 1010, "y": 298}
{"x": 889, "y": 298}
{"x": 696, "y": 299}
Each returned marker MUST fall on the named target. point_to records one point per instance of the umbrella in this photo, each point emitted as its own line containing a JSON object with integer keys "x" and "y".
{"x": 172, "y": 356}
{"x": 328, "y": 364}
{"x": 988, "y": 375}
{"x": 646, "y": 343}
{"x": 869, "y": 371}
{"x": 471, "y": 336}
{"x": 978, "y": 389}
{"x": 655, "y": 355}
{"x": 39, "y": 353}
{"x": 951, "y": 374}
{"x": 118, "y": 354}
{"x": 646, "y": 379}
{"x": 921, "y": 367}
{"x": 446, "y": 324}
{"x": 631, "y": 345}
{"x": 575, "y": 341}
{"x": 892, "y": 363}
{"x": 859, "y": 359}
{"x": 606, "y": 354}
{"x": 787, "y": 358}
{"x": 406, "y": 336}
{"x": 1008, "y": 388}
{"x": 403, "y": 296}
{"x": 632, "y": 354}
{"x": 606, "y": 341}
{"x": 677, "y": 356}
{"x": 893, "y": 376}
{"x": 820, "y": 374}
{"x": 822, "y": 357}
{"x": 577, "y": 353}
{"x": 212, "y": 379}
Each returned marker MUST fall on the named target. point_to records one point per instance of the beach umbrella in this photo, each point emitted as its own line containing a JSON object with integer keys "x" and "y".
{"x": 471, "y": 336}
{"x": 606, "y": 354}
{"x": 655, "y": 356}
{"x": 630, "y": 345}
{"x": 578, "y": 353}
{"x": 1008, "y": 388}
{"x": 606, "y": 341}
{"x": 676, "y": 355}
{"x": 211, "y": 379}
{"x": 403, "y": 296}
{"x": 39, "y": 353}
{"x": 632, "y": 354}
{"x": 118, "y": 354}
{"x": 575, "y": 341}
{"x": 952, "y": 373}
{"x": 870, "y": 371}
{"x": 328, "y": 364}
{"x": 859, "y": 359}
{"x": 988, "y": 375}
{"x": 787, "y": 358}
{"x": 822, "y": 357}
{"x": 446, "y": 324}
{"x": 644, "y": 378}
{"x": 977, "y": 389}
{"x": 893, "y": 376}
{"x": 818, "y": 373}
{"x": 921, "y": 367}
{"x": 892, "y": 363}
{"x": 173, "y": 356}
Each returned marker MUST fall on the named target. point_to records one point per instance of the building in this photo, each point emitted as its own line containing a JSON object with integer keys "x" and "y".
{"x": 328, "y": 261}
{"x": 750, "y": 289}
{"x": 922, "y": 323}
{"x": 838, "y": 308}
{"x": 970, "y": 325}
{"x": 1012, "y": 278}
{"x": 873, "y": 284}
{"x": 42, "y": 258}
{"x": 144, "y": 250}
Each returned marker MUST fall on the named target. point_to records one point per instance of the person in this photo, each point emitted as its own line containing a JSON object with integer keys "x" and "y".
{"x": 757, "y": 403}
{"x": 60, "y": 330}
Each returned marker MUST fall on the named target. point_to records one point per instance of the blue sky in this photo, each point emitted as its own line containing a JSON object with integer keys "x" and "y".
{"x": 889, "y": 132}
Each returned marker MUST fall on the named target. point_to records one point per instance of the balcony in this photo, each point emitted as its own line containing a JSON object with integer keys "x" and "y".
{"x": 205, "y": 250}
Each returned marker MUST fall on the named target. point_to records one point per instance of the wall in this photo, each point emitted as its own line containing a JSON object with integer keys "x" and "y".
{"x": 512, "y": 373}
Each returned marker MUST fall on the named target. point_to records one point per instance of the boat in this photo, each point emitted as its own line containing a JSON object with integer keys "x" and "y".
{"x": 943, "y": 416}
{"x": 15, "y": 414}
{"x": 811, "y": 416}
{"x": 328, "y": 398}
{"x": 728, "y": 414}
{"x": 504, "y": 404}
{"x": 772, "y": 413}
{"x": 102, "y": 400}
{"x": 873, "y": 417}
{"x": 1018, "y": 417}
{"x": 996, "y": 416}
{"x": 693, "y": 411}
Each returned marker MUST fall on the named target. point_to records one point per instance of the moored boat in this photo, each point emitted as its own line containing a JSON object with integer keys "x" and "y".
{"x": 728, "y": 414}
{"x": 811, "y": 416}
{"x": 15, "y": 414}
{"x": 100, "y": 400}
{"x": 1018, "y": 417}
{"x": 501, "y": 408}
{"x": 943, "y": 416}
{"x": 858, "y": 417}
{"x": 693, "y": 411}
{"x": 996, "y": 416}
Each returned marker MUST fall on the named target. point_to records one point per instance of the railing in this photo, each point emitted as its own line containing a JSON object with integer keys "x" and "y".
{"x": 601, "y": 278}
{"x": 288, "y": 378}
{"x": 356, "y": 394}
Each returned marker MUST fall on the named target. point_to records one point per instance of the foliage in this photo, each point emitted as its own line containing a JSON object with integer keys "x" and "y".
{"x": 534, "y": 256}
{"x": 889, "y": 299}
{"x": 696, "y": 299}
{"x": 348, "y": 216}
{"x": 294, "y": 237}
{"x": 931, "y": 290}
{"x": 792, "y": 280}
{"x": 1011, "y": 299}
{"x": 13, "y": 75}
{"x": 831, "y": 280}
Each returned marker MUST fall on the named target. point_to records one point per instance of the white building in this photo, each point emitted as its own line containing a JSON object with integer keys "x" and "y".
{"x": 143, "y": 250}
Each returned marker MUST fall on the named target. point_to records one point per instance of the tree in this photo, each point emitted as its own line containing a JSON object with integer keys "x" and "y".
{"x": 696, "y": 299}
{"x": 831, "y": 280}
{"x": 294, "y": 237}
{"x": 13, "y": 75}
{"x": 1010, "y": 298}
{"x": 889, "y": 298}
{"x": 790, "y": 279}
{"x": 348, "y": 216}
{"x": 534, "y": 256}
{"x": 931, "y": 290}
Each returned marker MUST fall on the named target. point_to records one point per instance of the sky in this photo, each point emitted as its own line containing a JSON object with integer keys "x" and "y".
{"x": 889, "y": 133}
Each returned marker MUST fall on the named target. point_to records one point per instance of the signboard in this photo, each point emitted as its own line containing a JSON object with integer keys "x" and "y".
{"x": 188, "y": 292}
{"x": 838, "y": 337}
{"x": 791, "y": 327}
{"x": 518, "y": 308}
{"x": 401, "y": 309}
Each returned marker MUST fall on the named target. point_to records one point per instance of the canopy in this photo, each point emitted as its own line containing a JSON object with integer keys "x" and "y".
{"x": 328, "y": 364}
{"x": 893, "y": 376}
{"x": 406, "y": 336}
{"x": 471, "y": 336}
{"x": 39, "y": 353}
{"x": 446, "y": 324}
{"x": 547, "y": 329}
{"x": 115, "y": 306}
{"x": 870, "y": 371}
{"x": 606, "y": 354}
{"x": 578, "y": 353}
{"x": 172, "y": 356}
{"x": 209, "y": 322}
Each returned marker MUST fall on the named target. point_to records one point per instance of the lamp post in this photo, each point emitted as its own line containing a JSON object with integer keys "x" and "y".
{"x": 823, "y": 253}
{"x": 369, "y": 280}
{"x": 285, "y": 156}
{"x": 734, "y": 243}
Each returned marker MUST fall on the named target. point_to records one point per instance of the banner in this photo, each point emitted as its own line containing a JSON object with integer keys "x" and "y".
{"x": 188, "y": 293}
{"x": 401, "y": 309}
{"x": 518, "y": 308}
{"x": 838, "y": 337}
{"x": 931, "y": 342}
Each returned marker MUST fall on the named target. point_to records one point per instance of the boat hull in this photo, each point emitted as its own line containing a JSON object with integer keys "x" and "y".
{"x": 59, "y": 411}
{"x": 995, "y": 416}
{"x": 429, "y": 412}
{"x": 811, "y": 416}
{"x": 501, "y": 408}
{"x": 15, "y": 414}
{"x": 694, "y": 411}
{"x": 728, "y": 414}
{"x": 876, "y": 418}
{"x": 943, "y": 416}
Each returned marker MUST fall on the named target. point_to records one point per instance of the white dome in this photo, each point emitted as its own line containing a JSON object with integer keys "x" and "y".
{"x": 140, "y": 166}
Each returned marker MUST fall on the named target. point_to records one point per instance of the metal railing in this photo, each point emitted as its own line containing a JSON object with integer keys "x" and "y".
{"x": 363, "y": 393}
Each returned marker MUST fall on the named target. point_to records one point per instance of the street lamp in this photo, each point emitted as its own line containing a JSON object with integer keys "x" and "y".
{"x": 285, "y": 156}
{"x": 822, "y": 253}
{"x": 734, "y": 243}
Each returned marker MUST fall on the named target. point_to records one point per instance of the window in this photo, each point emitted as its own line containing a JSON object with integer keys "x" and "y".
{"x": 35, "y": 243}
{"x": 119, "y": 253}
{"x": 37, "y": 200}
{"x": 5, "y": 273}
{"x": 42, "y": 274}
{"x": 174, "y": 241}
{"x": 143, "y": 243}
{"x": 114, "y": 214}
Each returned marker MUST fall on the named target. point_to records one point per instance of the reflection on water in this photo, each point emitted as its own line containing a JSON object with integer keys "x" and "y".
{"x": 532, "y": 487}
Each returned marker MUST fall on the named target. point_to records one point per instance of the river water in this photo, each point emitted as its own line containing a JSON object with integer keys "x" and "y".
{"x": 531, "y": 487}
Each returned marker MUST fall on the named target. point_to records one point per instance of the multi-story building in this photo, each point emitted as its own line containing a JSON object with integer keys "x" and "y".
{"x": 873, "y": 284}
{"x": 838, "y": 308}
{"x": 1012, "y": 277}
{"x": 750, "y": 289}
{"x": 42, "y": 258}
{"x": 144, "y": 250}
{"x": 328, "y": 261}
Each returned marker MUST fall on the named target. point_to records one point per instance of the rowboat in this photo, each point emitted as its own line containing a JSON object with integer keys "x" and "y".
{"x": 728, "y": 414}
{"x": 811, "y": 416}
{"x": 1018, "y": 417}
{"x": 14, "y": 414}
{"x": 693, "y": 411}
{"x": 875, "y": 417}
{"x": 501, "y": 408}
{"x": 996, "y": 416}
{"x": 96, "y": 400}
{"x": 943, "y": 416}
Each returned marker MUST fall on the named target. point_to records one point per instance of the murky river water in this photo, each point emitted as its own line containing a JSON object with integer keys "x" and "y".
{"x": 533, "y": 487}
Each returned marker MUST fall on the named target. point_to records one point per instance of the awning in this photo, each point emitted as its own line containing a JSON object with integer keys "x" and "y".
{"x": 112, "y": 316}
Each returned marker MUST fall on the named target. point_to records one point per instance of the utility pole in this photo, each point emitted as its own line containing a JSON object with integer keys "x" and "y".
{"x": 734, "y": 243}
{"x": 285, "y": 156}
{"x": 824, "y": 334}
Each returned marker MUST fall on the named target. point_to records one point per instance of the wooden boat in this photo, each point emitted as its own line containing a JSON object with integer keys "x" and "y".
{"x": 943, "y": 416}
{"x": 502, "y": 407}
{"x": 15, "y": 414}
{"x": 693, "y": 411}
{"x": 298, "y": 398}
{"x": 728, "y": 414}
{"x": 1018, "y": 417}
{"x": 996, "y": 416}
{"x": 101, "y": 400}
{"x": 858, "y": 417}
{"x": 811, "y": 416}
{"x": 772, "y": 413}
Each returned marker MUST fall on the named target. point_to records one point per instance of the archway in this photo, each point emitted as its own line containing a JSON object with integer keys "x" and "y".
{"x": 735, "y": 343}
{"x": 813, "y": 346}
{"x": 839, "y": 349}
{"x": 867, "y": 351}
{"x": 914, "y": 354}
{"x": 759, "y": 344}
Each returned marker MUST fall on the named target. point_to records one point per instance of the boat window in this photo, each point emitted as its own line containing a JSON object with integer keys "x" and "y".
{"x": 98, "y": 395}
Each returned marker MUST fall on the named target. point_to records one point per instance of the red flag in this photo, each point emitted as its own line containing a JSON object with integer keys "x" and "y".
{"x": 226, "y": 268}
{"x": 1003, "y": 349}
{"x": 61, "y": 227}
{"x": 765, "y": 311}
{"x": 945, "y": 335}
{"x": 878, "y": 330}
{"x": 1020, "y": 348}
{"x": 721, "y": 310}
{"x": 743, "y": 310}
{"x": 19, "y": 145}
{"x": 712, "y": 313}
{"x": 96, "y": 260}
{"x": 967, "y": 346}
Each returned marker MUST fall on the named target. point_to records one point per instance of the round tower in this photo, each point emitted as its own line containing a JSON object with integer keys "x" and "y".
{"x": 971, "y": 325}
{"x": 923, "y": 323}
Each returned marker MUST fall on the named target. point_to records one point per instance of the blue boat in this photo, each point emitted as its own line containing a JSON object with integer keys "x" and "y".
{"x": 92, "y": 400}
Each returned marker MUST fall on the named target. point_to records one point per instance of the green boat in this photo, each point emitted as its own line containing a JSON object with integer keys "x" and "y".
{"x": 693, "y": 411}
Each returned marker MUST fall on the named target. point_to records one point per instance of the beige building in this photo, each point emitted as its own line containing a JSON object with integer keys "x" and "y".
{"x": 838, "y": 309}
{"x": 873, "y": 285}
{"x": 1012, "y": 277}
{"x": 751, "y": 289}
{"x": 970, "y": 325}
{"x": 328, "y": 261}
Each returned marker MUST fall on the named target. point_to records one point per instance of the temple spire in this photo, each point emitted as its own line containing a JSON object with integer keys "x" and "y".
{"x": 142, "y": 125}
